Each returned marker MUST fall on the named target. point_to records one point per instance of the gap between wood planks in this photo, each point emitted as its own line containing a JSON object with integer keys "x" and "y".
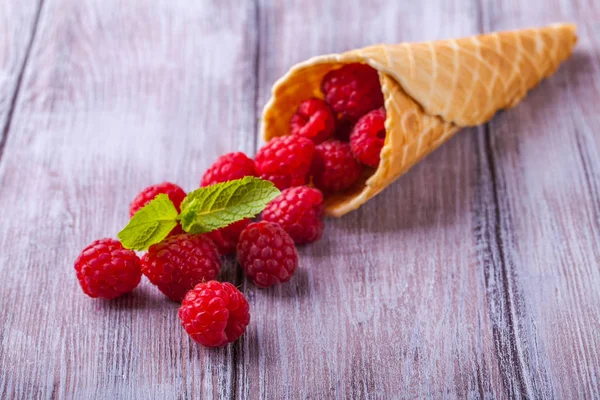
{"x": 13, "y": 100}
{"x": 496, "y": 262}
{"x": 237, "y": 352}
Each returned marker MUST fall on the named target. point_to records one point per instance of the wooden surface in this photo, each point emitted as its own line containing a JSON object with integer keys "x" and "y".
{"x": 477, "y": 275}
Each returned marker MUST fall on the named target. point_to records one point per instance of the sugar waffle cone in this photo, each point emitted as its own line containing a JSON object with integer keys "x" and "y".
{"x": 431, "y": 90}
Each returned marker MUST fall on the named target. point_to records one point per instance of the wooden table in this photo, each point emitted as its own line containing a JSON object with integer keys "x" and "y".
{"x": 475, "y": 275}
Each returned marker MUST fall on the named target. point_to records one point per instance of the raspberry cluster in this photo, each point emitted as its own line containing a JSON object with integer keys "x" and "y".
{"x": 352, "y": 90}
{"x": 330, "y": 142}
{"x": 347, "y": 129}
{"x": 285, "y": 161}
{"x": 184, "y": 266}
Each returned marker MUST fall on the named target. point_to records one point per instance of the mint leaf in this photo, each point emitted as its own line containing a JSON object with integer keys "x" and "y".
{"x": 151, "y": 224}
{"x": 216, "y": 206}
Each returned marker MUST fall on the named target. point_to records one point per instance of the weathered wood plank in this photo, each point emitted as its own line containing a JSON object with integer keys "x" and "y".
{"x": 476, "y": 275}
{"x": 18, "y": 20}
{"x": 116, "y": 95}
{"x": 541, "y": 168}
{"x": 391, "y": 301}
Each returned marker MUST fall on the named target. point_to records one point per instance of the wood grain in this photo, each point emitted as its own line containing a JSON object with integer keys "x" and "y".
{"x": 541, "y": 162}
{"x": 474, "y": 276}
{"x": 18, "y": 20}
{"x": 117, "y": 95}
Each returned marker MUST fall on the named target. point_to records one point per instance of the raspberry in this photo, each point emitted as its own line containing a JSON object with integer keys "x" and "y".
{"x": 368, "y": 137}
{"x": 267, "y": 254}
{"x": 180, "y": 262}
{"x": 175, "y": 193}
{"x": 214, "y": 313}
{"x": 352, "y": 90}
{"x": 299, "y": 211}
{"x": 226, "y": 239}
{"x": 313, "y": 120}
{"x": 285, "y": 161}
{"x": 334, "y": 167}
{"x": 107, "y": 270}
{"x": 229, "y": 167}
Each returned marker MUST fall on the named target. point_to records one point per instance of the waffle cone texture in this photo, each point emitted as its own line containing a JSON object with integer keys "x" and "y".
{"x": 431, "y": 90}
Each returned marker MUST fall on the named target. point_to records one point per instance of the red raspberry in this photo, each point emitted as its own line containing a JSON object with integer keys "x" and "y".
{"x": 226, "y": 239}
{"x": 107, "y": 270}
{"x": 299, "y": 211}
{"x": 334, "y": 167}
{"x": 214, "y": 313}
{"x": 368, "y": 137}
{"x": 180, "y": 262}
{"x": 267, "y": 254}
{"x": 313, "y": 120}
{"x": 285, "y": 161}
{"x": 175, "y": 193}
{"x": 352, "y": 90}
{"x": 229, "y": 167}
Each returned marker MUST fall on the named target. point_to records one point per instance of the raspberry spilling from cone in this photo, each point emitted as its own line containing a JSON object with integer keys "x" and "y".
{"x": 352, "y": 91}
{"x": 176, "y": 195}
{"x": 306, "y": 164}
{"x": 214, "y": 313}
{"x": 107, "y": 270}
{"x": 368, "y": 137}
{"x": 180, "y": 262}
{"x": 299, "y": 211}
{"x": 313, "y": 120}
{"x": 226, "y": 238}
{"x": 267, "y": 254}
{"x": 334, "y": 167}
{"x": 228, "y": 167}
{"x": 285, "y": 161}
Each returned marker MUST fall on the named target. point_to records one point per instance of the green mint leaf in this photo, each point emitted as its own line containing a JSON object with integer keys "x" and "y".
{"x": 216, "y": 206}
{"x": 151, "y": 224}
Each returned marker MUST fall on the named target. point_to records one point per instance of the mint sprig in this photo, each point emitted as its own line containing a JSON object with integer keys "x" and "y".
{"x": 151, "y": 224}
{"x": 222, "y": 204}
{"x": 203, "y": 210}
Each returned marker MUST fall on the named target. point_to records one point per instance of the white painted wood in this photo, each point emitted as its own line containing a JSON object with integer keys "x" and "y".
{"x": 475, "y": 275}
{"x": 17, "y": 20}
{"x": 546, "y": 155}
{"x": 117, "y": 95}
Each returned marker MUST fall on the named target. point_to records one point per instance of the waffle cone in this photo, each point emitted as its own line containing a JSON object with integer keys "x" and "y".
{"x": 431, "y": 90}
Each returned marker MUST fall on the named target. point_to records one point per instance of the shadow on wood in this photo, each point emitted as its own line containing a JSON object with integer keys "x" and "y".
{"x": 145, "y": 297}
{"x": 429, "y": 195}
{"x": 298, "y": 287}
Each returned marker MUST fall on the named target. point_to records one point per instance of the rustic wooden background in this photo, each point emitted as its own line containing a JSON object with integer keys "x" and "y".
{"x": 476, "y": 275}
